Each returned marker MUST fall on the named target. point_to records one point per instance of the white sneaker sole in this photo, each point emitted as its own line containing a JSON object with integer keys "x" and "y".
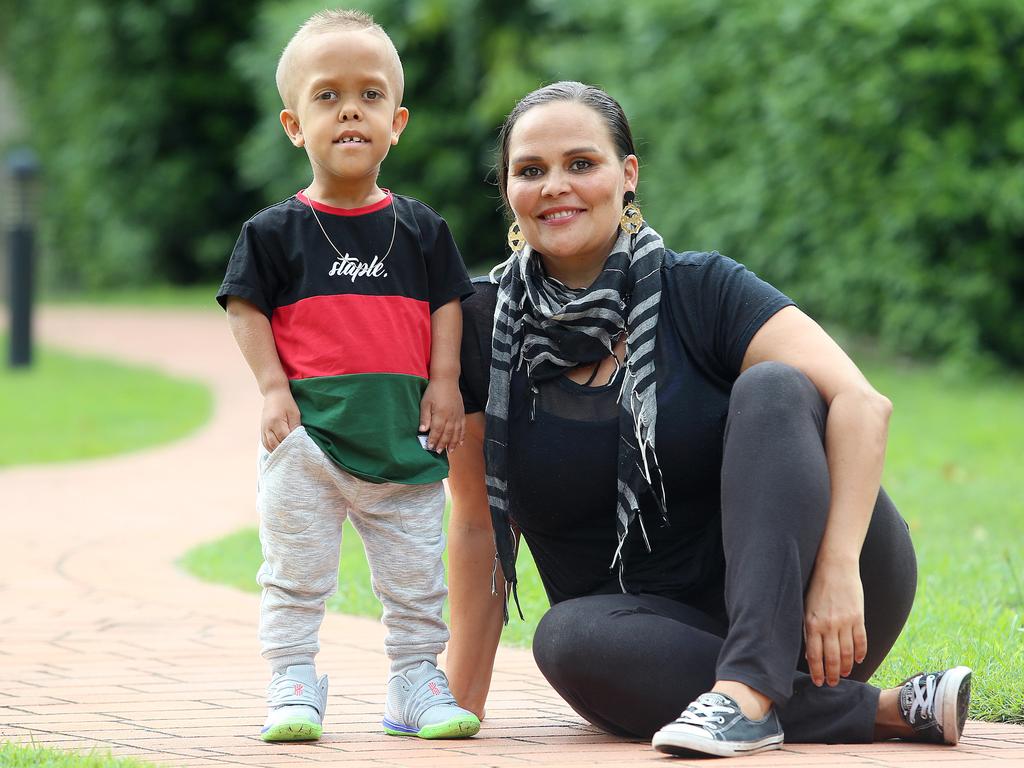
{"x": 682, "y": 744}
{"x": 955, "y": 694}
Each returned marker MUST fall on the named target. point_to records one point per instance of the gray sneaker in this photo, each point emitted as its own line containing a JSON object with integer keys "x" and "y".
{"x": 296, "y": 703}
{"x": 935, "y": 705}
{"x": 714, "y": 725}
{"x": 420, "y": 704}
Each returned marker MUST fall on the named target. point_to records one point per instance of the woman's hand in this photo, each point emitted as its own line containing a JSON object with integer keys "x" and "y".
{"x": 834, "y": 632}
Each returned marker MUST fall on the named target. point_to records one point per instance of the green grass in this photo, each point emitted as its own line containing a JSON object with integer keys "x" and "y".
{"x": 164, "y": 296}
{"x": 66, "y": 407}
{"x": 956, "y": 454}
{"x": 26, "y": 756}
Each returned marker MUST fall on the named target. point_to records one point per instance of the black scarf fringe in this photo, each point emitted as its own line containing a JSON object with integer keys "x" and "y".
{"x": 552, "y": 328}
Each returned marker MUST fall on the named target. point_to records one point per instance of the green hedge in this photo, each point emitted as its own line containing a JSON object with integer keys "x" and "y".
{"x": 137, "y": 116}
{"x": 867, "y": 156}
{"x": 864, "y": 155}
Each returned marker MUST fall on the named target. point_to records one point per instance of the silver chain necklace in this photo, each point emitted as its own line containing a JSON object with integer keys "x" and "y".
{"x": 394, "y": 229}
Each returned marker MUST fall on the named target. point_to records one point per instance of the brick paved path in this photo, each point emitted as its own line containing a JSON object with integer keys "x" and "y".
{"x": 105, "y": 644}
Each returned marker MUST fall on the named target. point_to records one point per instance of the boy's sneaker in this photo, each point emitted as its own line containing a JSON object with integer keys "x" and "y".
{"x": 714, "y": 725}
{"x": 935, "y": 704}
{"x": 297, "y": 702}
{"x": 420, "y": 704}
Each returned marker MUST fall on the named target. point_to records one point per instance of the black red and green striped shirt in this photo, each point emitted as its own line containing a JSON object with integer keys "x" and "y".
{"x": 353, "y": 330}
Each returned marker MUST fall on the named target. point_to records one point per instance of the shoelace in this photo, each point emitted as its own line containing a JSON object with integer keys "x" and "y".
{"x": 701, "y": 713}
{"x": 924, "y": 698}
{"x": 423, "y": 697}
{"x": 287, "y": 691}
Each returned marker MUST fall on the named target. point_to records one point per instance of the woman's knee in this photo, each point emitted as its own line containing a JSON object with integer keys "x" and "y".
{"x": 775, "y": 391}
{"x": 556, "y": 641}
{"x": 773, "y": 382}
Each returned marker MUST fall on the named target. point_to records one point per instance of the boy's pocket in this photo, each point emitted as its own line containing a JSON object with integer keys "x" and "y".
{"x": 269, "y": 458}
{"x": 289, "y": 484}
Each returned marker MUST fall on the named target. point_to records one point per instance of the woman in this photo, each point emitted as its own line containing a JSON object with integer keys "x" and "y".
{"x": 674, "y": 416}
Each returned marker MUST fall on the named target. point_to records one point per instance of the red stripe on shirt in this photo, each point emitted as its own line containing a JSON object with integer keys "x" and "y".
{"x": 337, "y": 335}
{"x": 325, "y": 208}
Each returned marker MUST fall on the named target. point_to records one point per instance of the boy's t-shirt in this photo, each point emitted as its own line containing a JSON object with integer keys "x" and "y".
{"x": 352, "y": 326}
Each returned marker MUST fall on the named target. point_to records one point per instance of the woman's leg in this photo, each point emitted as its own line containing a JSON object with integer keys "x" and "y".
{"x": 888, "y": 573}
{"x": 775, "y": 499}
{"x": 630, "y": 663}
{"x": 627, "y": 663}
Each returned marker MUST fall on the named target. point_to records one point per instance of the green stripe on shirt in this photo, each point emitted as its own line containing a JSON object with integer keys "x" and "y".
{"x": 367, "y": 424}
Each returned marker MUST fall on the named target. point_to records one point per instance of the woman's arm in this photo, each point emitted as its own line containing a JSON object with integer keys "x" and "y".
{"x": 855, "y": 438}
{"x": 476, "y": 613}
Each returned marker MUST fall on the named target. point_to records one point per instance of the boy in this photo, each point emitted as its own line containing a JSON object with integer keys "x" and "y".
{"x": 345, "y": 302}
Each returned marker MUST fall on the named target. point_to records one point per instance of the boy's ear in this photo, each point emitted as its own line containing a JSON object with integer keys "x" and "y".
{"x": 398, "y": 123}
{"x": 290, "y": 121}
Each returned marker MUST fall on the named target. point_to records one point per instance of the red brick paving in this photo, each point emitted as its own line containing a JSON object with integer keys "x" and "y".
{"x": 105, "y": 644}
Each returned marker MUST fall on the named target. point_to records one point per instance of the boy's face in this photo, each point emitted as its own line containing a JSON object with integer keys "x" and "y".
{"x": 344, "y": 109}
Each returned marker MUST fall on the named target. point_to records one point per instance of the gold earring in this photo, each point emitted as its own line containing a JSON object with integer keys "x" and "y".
{"x": 632, "y": 217}
{"x": 516, "y": 241}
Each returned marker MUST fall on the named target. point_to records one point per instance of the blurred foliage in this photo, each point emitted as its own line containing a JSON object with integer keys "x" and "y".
{"x": 137, "y": 116}
{"x": 6, "y": 24}
{"x": 863, "y": 155}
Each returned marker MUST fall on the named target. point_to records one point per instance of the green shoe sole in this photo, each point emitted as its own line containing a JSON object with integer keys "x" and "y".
{"x": 297, "y": 730}
{"x": 456, "y": 728}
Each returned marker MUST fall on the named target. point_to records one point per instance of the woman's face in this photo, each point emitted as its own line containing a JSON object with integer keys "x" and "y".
{"x": 565, "y": 187}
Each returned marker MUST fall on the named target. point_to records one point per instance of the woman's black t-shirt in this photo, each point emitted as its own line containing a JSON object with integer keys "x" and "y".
{"x": 562, "y": 465}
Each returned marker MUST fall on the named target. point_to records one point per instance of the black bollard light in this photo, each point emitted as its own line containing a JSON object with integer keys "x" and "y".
{"x": 23, "y": 168}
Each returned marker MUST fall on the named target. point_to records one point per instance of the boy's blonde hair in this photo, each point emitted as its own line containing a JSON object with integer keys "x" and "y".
{"x": 333, "y": 20}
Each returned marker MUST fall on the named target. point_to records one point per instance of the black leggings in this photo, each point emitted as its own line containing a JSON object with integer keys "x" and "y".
{"x": 630, "y": 663}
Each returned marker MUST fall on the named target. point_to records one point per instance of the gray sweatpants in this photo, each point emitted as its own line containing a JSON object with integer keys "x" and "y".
{"x": 303, "y": 498}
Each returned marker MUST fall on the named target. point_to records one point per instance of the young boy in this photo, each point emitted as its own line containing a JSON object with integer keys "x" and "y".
{"x": 345, "y": 302}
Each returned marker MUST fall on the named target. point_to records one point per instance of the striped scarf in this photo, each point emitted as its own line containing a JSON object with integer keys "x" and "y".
{"x": 553, "y": 328}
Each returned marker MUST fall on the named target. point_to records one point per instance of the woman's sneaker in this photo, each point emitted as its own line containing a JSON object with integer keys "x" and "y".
{"x": 296, "y": 703}
{"x": 935, "y": 704}
{"x": 714, "y": 725}
{"x": 420, "y": 704}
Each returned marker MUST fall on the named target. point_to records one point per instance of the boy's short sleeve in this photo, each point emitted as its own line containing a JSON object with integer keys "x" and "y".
{"x": 446, "y": 272}
{"x": 251, "y": 274}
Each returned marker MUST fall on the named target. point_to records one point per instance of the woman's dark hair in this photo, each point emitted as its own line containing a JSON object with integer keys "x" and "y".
{"x": 567, "y": 90}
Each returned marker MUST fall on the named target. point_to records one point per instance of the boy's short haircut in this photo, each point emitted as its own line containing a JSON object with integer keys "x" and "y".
{"x": 334, "y": 20}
